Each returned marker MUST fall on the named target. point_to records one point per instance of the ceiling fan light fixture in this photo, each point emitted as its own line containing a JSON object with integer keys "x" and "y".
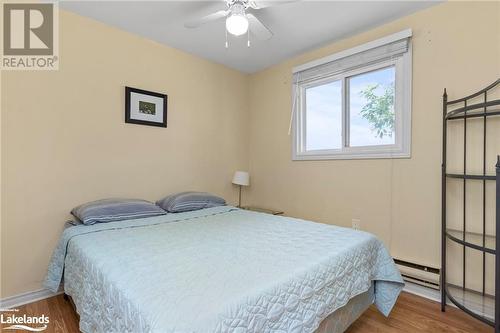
{"x": 237, "y": 22}
{"x": 237, "y": 25}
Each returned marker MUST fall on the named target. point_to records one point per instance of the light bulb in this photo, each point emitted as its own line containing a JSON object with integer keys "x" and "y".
{"x": 237, "y": 24}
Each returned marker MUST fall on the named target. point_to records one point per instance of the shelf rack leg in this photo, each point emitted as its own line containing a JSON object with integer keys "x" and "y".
{"x": 464, "y": 228}
{"x": 484, "y": 192}
{"x": 443, "y": 208}
{"x": 497, "y": 254}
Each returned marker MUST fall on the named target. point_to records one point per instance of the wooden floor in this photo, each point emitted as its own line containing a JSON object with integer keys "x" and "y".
{"x": 411, "y": 314}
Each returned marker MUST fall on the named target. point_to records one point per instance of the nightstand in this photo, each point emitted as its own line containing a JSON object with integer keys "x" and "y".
{"x": 263, "y": 210}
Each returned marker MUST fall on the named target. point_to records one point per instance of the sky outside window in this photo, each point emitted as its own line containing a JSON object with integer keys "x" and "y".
{"x": 324, "y": 116}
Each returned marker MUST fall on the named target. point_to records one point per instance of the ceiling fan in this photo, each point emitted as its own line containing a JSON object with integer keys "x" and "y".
{"x": 239, "y": 18}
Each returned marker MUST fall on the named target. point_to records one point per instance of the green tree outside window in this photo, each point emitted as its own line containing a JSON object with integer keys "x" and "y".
{"x": 379, "y": 109}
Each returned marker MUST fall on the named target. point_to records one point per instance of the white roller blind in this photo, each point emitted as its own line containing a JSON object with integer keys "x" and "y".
{"x": 389, "y": 47}
{"x": 354, "y": 61}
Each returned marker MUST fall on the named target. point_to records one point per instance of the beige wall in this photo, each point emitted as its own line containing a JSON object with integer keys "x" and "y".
{"x": 455, "y": 45}
{"x": 64, "y": 140}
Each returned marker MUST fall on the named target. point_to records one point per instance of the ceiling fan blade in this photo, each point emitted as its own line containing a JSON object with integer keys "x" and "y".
{"x": 205, "y": 19}
{"x": 265, "y": 4}
{"x": 258, "y": 28}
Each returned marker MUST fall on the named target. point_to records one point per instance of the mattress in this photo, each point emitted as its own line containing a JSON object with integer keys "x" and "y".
{"x": 219, "y": 269}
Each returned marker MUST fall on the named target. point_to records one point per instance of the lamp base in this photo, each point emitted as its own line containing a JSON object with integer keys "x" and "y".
{"x": 239, "y": 198}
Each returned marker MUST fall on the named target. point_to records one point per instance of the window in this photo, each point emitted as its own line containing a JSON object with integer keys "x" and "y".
{"x": 356, "y": 104}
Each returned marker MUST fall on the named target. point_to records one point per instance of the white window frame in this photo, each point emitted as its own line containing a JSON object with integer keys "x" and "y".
{"x": 402, "y": 107}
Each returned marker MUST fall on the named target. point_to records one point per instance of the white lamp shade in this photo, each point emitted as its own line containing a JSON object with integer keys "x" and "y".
{"x": 241, "y": 178}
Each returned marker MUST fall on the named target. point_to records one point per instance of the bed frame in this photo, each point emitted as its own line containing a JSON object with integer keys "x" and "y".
{"x": 464, "y": 109}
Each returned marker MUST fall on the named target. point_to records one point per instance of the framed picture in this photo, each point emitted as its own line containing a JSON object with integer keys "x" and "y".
{"x": 145, "y": 107}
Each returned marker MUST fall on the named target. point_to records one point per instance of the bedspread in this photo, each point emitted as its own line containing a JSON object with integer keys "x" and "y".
{"x": 219, "y": 269}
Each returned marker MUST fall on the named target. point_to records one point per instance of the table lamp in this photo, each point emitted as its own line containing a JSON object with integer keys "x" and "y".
{"x": 241, "y": 178}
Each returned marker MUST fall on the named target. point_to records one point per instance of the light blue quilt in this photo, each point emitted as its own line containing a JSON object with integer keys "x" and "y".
{"x": 218, "y": 269}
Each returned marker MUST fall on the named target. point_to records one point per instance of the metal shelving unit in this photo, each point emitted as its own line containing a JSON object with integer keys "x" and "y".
{"x": 460, "y": 295}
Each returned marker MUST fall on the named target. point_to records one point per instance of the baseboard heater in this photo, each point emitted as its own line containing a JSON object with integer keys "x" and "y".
{"x": 419, "y": 274}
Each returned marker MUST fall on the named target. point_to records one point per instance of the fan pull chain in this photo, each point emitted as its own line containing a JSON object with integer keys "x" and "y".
{"x": 248, "y": 38}
{"x": 227, "y": 43}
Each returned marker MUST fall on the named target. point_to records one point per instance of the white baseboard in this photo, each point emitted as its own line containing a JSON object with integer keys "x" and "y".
{"x": 25, "y": 298}
{"x": 429, "y": 293}
{"x": 416, "y": 289}
{"x": 33, "y": 296}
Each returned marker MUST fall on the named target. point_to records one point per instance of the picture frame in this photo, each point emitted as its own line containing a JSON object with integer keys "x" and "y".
{"x": 144, "y": 107}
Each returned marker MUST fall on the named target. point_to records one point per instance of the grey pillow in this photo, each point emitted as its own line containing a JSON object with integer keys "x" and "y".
{"x": 109, "y": 210}
{"x": 188, "y": 201}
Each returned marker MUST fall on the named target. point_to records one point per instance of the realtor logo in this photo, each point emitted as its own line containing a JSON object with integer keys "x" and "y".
{"x": 11, "y": 320}
{"x": 30, "y": 36}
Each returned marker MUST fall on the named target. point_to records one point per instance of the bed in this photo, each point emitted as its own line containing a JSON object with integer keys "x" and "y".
{"x": 222, "y": 269}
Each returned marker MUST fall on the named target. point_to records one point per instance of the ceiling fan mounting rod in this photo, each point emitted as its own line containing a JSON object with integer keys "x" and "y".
{"x": 244, "y": 3}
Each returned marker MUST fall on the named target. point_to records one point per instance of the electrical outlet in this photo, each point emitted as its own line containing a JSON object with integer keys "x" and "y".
{"x": 356, "y": 224}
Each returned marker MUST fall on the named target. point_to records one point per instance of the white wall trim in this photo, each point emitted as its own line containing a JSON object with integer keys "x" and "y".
{"x": 357, "y": 49}
{"x": 416, "y": 289}
{"x": 25, "y": 298}
{"x": 403, "y": 104}
{"x": 430, "y": 293}
{"x": 37, "y": 295}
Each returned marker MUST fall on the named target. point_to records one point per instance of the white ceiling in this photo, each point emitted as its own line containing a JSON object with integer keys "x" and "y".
{"x": 297, "y": 26}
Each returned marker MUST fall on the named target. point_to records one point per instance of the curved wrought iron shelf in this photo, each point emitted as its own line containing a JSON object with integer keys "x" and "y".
{"x": 488, "y": 113}
{"x": 461, "y": 113}
{"x": 465, "y": 309}
{"x": 469, "y": 176}
{"x": 470, "y": 239}
{"x": 472, "y": 107}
